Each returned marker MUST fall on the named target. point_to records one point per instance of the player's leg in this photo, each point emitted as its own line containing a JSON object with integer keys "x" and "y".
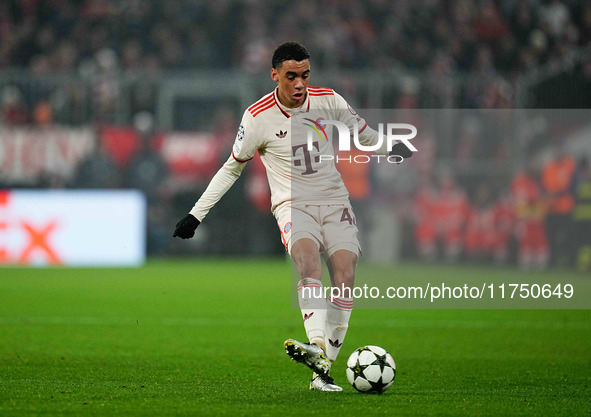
{"x": 343, "y": 250}
{"x": 302, "y": 235}
{"x": 303, "y": 242}
{"x": 304, "y": 245}
{"x": 312, "y": 301}
{"x": 341, "y": 265}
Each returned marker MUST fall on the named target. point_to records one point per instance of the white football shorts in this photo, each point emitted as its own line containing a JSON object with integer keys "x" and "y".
{"x": 331, "y": 226}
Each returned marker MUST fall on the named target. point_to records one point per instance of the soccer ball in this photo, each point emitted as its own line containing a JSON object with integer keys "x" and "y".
{"x": 370, "y": 369}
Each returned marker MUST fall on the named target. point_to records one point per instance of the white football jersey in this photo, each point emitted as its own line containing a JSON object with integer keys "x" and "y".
{"x": 298, "y": 172}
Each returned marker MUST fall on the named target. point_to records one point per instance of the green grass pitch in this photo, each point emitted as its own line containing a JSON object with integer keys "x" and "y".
{"x": 205, "y": 338}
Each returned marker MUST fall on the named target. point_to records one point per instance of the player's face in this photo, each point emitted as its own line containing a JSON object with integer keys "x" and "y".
{"x": 292, "y": 82}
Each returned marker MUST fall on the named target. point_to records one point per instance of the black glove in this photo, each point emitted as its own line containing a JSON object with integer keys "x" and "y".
{"x": 185, "y": 229}
{"x": 400, "y": 149}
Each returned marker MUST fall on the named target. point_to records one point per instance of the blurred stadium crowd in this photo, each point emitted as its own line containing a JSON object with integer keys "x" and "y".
{"x": 72, "y": 63}
{"x": 493, "y": 43}
{"x": 537, "y": 220}
{"x": 479, "y": 36}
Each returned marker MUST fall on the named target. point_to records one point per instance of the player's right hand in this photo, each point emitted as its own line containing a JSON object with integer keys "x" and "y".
{"x": 185, "y": 229}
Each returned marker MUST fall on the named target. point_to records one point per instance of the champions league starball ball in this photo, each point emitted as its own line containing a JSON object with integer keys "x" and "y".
{"x": 370, "y": 369}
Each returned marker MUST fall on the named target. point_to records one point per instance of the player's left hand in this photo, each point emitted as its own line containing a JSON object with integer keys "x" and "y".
{"x": 185, "y": 229}
{"x": 400, "y": 149}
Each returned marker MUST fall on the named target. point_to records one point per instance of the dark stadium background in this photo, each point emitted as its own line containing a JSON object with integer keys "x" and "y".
{"x": 169, "y": 73}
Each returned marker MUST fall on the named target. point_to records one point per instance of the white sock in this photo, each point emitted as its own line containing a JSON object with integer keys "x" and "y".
{"x": 313, "y": 308}
{"x": 337, "y": 322}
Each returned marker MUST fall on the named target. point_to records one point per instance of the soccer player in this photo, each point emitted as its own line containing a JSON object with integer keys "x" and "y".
{"x": 308, "y": 197}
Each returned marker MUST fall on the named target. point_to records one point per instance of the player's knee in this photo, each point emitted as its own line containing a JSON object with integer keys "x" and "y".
{"x": 344, "y": 276}
{"x": 309, "y": 265}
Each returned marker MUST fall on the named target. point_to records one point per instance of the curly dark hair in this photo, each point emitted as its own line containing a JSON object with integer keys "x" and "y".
{"x": 288, "y": 51}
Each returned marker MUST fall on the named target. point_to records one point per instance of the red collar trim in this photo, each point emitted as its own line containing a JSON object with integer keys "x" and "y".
{"x": 283, "y": 111}
{"x": 277, "y": 103}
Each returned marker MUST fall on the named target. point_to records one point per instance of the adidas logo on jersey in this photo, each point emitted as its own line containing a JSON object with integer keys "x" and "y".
{"x": 281, "y": 134}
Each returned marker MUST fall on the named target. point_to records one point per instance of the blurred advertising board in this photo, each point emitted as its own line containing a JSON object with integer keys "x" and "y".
{"x": 72, "y": 228}
{"x": 28, "y": 153}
